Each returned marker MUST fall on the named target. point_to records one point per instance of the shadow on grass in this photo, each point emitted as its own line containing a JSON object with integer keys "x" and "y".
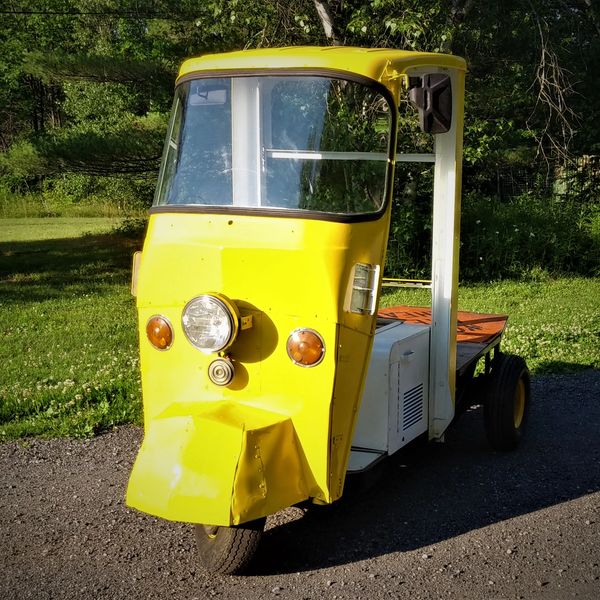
{"x": 33, "y": 271}
{"x": 436, "y": 492}
{"x": 549, "y": 367}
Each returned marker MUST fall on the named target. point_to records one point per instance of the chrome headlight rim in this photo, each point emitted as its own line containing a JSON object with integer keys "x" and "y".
{"x": 230, "y": 311}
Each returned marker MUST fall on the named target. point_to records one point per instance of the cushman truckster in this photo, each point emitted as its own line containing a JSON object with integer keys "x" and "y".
{"x": 268, "y": 371}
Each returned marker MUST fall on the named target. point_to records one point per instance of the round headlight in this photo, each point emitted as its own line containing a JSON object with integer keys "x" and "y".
{"x": 210, "y": 323}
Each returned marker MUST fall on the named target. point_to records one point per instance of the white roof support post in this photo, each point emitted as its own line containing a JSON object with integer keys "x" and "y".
{"x": 246, "y": 144}
{"x": 446, "y": 239}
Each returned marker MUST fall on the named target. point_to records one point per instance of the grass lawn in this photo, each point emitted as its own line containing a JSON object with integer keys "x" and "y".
{"x": 553, "y": 324}
{"x": 23, "y": 230}
{"x": 70, "y": 360}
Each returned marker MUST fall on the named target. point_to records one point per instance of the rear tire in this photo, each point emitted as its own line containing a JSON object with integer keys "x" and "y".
{"x": 228, "y": 550}
{"x": 507, "y": 402}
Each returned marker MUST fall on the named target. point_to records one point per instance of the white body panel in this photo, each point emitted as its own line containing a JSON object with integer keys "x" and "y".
{"x": 394, "y": 407}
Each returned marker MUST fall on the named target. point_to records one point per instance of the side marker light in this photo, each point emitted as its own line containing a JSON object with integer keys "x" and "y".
{"x": 159, "y": 332}
{"x": 305, "y": 347}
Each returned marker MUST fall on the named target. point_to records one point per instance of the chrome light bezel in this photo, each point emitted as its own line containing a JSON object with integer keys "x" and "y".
{"x": 229, "y": 312}
{"x": 168, "y": 324}
{"x": 307, "y": 330}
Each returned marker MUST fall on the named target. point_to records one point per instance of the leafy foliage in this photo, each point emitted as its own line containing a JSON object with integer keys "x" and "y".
{"x": 85, "y": 87}
{"x": 59, "y": 67}
{"x": 526, "y": 237}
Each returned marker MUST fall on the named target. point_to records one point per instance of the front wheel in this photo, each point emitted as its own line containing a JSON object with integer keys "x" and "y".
{"x": 507, "y": 402}
{"x": 228, "y": 550}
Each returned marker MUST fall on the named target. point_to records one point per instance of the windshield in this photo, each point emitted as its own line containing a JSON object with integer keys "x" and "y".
{"x": 286, "y": 142}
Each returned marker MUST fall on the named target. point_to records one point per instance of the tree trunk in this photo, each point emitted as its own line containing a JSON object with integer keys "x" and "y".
{"x": 458, "y": 13}
{"x": 326, "y": 21}
{"x": 593, "y": 16}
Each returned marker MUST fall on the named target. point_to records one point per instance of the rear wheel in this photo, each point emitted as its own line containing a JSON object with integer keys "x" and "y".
{"x": 228, "y": 550}
{"x": 507, "y": 402}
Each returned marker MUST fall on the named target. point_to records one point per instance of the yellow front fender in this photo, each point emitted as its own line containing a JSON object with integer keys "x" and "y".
{"x": 237, "y": 462}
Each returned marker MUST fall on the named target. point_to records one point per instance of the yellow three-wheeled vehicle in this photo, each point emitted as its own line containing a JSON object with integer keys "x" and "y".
{"x": 267, "y": 373}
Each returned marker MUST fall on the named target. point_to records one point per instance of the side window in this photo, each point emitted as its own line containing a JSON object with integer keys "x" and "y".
{"x": 327, "y": 146}
{"x": 170, "y": 153}
{"x": 409, "y": 246}
{"x": 197, "y": 163}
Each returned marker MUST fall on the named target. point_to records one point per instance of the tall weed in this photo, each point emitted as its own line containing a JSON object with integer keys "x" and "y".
{"x": 528, "y": 236}
{"x": 525, "y": 238}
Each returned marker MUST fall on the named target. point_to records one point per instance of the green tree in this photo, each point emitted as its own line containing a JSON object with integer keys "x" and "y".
{"x": 105, "y": 69}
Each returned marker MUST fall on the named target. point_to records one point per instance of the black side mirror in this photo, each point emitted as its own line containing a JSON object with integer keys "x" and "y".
{"x": 432, "y": 95}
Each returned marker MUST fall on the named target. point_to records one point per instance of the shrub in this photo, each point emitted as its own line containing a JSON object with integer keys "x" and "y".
{"x": 132, "y": 227}
{"x": 77, "y": 195}
{"x": 527, "y": 238}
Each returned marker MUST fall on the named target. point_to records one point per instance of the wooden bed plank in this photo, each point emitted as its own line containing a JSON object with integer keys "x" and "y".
{"x": 472, "y": 327}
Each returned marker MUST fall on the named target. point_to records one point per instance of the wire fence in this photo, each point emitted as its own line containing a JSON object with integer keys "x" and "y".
{"x": 581, "y": 180}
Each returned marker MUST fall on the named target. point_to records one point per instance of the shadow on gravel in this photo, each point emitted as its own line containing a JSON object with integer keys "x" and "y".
{"x": 435, "y": 492}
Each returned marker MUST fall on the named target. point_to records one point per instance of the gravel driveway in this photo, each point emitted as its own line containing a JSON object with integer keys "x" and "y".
{"x": 452, "y": 520}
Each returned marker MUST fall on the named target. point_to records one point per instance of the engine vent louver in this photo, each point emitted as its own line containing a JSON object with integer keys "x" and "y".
{"x": 412, "y": 407}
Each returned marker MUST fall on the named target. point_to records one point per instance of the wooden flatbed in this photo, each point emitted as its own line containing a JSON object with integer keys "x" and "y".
{"x": 477, "y": 333}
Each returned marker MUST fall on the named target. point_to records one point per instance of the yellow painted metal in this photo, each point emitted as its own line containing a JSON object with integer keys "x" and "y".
{"x": 134, "y": 271}
{"x": 279, "y": 433}
{"x": 214, "y": 463}
{"x": 519, "y": 404}
{"x": 380, "y": 64}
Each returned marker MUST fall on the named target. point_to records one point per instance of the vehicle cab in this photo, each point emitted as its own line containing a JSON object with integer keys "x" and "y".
{"x": 259, "y": 281}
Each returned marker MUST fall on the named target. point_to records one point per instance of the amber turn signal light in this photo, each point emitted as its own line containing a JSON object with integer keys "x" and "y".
{"x": 159, "y": 332}
{"x": 305, "y": 347}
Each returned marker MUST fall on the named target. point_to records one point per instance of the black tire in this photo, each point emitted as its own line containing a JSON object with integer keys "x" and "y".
{"x": 507, "y": 402}
{"x": 228, "y": 550}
